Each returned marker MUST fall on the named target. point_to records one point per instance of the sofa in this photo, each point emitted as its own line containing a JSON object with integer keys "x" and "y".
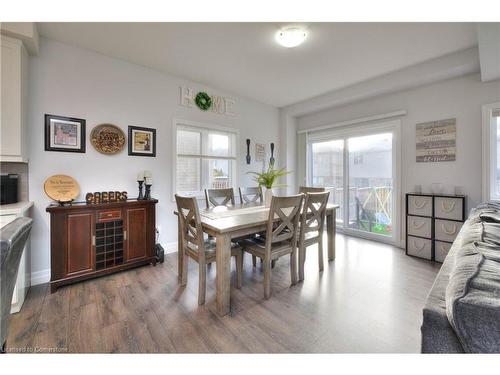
{"x": 462, "y": 310}
{"x": 13, "y": 238}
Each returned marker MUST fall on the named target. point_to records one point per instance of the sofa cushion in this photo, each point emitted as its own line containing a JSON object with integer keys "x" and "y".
{"x": 473, "y": 291}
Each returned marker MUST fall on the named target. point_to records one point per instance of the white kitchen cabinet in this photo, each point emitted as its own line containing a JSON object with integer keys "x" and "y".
{"x": 14, "y": 64}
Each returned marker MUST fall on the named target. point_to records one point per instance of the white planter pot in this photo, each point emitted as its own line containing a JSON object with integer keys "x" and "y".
{"x": 268, "y": 196}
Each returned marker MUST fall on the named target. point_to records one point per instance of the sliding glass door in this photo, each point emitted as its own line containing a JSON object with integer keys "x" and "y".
{"x": 371, "y": 183}
{"x": 359, "y": 168}
{"x": 327, "y": 169}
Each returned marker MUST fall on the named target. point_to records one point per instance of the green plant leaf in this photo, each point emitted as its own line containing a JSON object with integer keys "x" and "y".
{"x": 269, "y": 177}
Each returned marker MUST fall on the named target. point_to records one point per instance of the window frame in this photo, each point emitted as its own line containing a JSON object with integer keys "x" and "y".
{"x": 358, "y": 130}
{"x": 179, "y": 123}
{"x": 489, "y": 151}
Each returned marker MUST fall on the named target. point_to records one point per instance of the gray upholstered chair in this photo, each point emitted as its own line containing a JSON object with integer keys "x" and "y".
{"x": 310, "y": 189}
{"x": 312, "y": 224}
{"x": 13, "y": 239}
{"x": 196, "y": 247}
{"x": 251, "y": 195}
{"x": 281, "y": 237}
{"x": 219, "y": 197}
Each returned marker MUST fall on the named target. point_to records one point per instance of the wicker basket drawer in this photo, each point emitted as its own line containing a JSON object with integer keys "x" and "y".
{"x": 419, "y": 247}
{"x": 419, "y": 226}
{"x": 448, "y": 208}
{"x": 419, "y": 205}
{"x": 441, "y": 250}
{"x": 446, "y": 230}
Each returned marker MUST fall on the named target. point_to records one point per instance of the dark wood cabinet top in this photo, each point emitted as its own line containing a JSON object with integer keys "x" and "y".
{"x": 102, "y": 206}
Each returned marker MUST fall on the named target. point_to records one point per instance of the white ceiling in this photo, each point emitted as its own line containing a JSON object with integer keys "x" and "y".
{"x": 244, "y": 59}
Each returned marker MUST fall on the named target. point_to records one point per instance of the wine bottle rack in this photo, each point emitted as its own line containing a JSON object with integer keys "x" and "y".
{"x": 109, "y": 237}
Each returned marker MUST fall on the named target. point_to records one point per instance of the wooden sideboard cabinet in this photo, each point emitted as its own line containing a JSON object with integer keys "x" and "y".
{"x": 91, "y": 240}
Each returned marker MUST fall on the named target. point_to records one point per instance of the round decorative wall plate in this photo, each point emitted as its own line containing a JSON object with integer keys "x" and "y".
{"x": 203, "y": 101}
{"x": 107, "y": 139}
{"x": 61, "y": 188}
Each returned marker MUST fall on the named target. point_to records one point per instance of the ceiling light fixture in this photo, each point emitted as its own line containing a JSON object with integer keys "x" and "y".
{"x": 291, "y": 36}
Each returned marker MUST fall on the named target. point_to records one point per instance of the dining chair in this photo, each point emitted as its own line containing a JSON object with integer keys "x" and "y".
{"x": 251, "y": 195}
{"x": 281, "y": 237}
{"x": 196, "y": 247}
{"x": 219, "y": 197}
{"x": 310, "y": 189}
{"x": 312, "y": 224}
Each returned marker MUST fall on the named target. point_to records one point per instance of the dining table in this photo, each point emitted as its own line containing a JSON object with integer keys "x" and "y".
{"x": 225, "y": 223}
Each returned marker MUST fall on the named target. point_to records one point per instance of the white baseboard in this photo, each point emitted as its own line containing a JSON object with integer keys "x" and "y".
{"x": 170, "y": 247}
{"x": 43, "y": 276}
{"x": 40, "y": 277}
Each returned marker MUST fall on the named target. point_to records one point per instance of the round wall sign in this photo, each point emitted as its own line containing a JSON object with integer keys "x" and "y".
{"x": 107, "y": 138}
{"x": 61, "y": 188}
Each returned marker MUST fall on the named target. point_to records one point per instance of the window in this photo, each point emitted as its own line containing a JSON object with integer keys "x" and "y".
{"x": 358, "y": 158}
{"x": 358, "y": 165}
{"x": 491, "y": 151}
{"x": 205, "y": 158}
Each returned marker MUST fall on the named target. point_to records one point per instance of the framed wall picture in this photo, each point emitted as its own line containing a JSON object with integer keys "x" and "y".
{"x": 436, "y": 141}
{"x": 260, "y": 152}
{"x": 66, "y": 134}
{"x": 141, "y": 141}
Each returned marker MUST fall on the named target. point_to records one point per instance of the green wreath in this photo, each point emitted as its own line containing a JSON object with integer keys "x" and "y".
{"x": 203, "y": 101}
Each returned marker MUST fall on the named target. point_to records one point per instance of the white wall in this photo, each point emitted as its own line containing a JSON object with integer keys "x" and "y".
{"x": 459, "y": 98}
{"x": 288, "y": 152}
{"x": 69, "y": 81}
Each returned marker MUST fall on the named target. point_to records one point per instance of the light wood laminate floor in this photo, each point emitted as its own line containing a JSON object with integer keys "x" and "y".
{"x": 368, "y": 300}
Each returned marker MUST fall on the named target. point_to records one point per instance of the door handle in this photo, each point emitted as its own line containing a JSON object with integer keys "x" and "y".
{"x": 449, "y": 232}
{"x": 124, "y": 235}
{"x": 93, "y": 240}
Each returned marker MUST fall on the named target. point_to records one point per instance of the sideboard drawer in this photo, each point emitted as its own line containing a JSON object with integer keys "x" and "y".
{"x": 419, "y": 226}
{"x": 448, "y": 208}
{"x": 441, "y": 250}
{"x": 419, "y": 247}
{"x": 446, "y": 230}
{"x": 109, "y": 215}
{"x": 419, "y": 205}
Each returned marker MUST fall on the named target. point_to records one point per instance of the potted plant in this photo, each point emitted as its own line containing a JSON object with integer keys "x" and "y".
{"x": 268, "y": 180}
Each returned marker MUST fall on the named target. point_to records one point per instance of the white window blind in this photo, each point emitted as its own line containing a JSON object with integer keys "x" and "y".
{"x": 205, "y": 159}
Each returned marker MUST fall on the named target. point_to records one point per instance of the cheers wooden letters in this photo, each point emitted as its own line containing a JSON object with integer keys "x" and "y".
{"x": 106, "y": 197}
